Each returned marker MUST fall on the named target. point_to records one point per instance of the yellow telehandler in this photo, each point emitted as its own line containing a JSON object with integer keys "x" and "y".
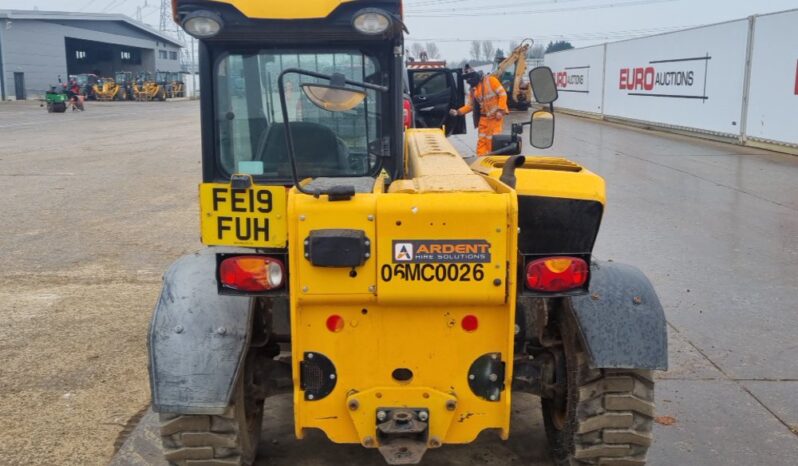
{"x": 124, "y": 79}
{"x": 106, "y": 89}
{"x": 400, "y": 295}
{"x": 172, "y": 83}
{"x": 145, "y": 88}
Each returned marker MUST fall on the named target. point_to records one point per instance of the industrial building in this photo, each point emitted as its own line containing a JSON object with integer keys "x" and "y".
{"x": 36, "y": 47}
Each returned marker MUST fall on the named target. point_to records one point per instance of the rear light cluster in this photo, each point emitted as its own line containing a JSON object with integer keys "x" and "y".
{"x": 556, "y": 274}
{"x": 252, "y": 273}
{"x": 407, "y": 113}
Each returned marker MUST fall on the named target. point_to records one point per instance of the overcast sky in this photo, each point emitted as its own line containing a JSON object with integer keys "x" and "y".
{"x": 452, "y": 24}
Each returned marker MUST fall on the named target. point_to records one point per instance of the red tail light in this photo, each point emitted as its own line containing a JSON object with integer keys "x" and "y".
{"x": 553, "y": 274}
{"x": 252, "y": 273}
{"x": 407, "y": 113}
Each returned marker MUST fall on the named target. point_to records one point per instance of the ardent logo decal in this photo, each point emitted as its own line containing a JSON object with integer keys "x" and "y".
{"x": 402, "y": 252}
{"x": 442, "y": 251}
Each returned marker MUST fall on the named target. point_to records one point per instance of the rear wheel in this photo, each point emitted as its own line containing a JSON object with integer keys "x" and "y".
{"x": 223, "y": 440}
{"x": 604, "y": 416}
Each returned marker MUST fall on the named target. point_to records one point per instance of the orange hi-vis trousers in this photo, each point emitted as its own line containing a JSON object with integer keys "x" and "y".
{"x": 488, "y": 126}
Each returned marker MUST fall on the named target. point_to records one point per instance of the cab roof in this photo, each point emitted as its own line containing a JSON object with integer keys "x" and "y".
{"x": 286, "y": 9}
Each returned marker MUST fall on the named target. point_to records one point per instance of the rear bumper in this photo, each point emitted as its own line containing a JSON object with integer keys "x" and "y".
{"x": 451, "y": 380}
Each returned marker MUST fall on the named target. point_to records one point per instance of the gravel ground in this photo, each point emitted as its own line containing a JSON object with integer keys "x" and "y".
{"x": 95, "y": 206}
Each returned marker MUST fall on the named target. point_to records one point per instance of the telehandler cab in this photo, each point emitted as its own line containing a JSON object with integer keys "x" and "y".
{"x": 400, "y": 295}
{"x": 124, "y": 79}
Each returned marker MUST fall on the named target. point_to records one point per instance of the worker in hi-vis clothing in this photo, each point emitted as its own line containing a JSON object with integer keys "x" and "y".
{"x": 490, "y": 98}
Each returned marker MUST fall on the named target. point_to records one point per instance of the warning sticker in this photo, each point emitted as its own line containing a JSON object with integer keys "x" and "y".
{"x": 441, "y": 251}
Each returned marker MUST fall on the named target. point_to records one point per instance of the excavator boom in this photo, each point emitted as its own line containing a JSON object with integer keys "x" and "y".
{"x": 520, "y": 92}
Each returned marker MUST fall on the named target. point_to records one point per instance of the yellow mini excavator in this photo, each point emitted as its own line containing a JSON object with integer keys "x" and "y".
{"x": 511, "y": 72}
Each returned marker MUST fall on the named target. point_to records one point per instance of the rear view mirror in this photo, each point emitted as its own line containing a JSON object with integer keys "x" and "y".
{"x": 541, "y": 129}
{"x": 333, "y": 98}
{"x": 543, "y": 85}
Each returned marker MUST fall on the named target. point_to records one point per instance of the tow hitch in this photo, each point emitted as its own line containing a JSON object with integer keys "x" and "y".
{"x": 402, "y": 422}
{"x": 402, "y": 434}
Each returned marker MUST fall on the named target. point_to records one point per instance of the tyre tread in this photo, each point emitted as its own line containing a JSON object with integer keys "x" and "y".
{"x": 609, "y": 412}
{"x": 625, "y": 422}
{"x": 199, "y": 440}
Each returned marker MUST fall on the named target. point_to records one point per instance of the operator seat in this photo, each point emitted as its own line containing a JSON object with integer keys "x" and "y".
{"x": 317, "y": 150}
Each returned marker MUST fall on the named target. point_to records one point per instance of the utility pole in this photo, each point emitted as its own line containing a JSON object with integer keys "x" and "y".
{"x": 166, "y": 16}
{"x": 168, "y": 26}
{"x": 193, "y": 71}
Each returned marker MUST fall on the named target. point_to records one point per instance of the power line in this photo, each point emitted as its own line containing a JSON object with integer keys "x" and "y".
{"x": 538, "y": 11}
{"x": 571, "y": 36}
{"x": 412, "y": 9}
{"x": 440, "y": 2}
{"x": 109, "y": 5}
{"x": 83, "y": 8}
{"x": 150, "y": 13}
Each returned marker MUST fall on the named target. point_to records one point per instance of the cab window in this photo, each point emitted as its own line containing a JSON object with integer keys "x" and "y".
{"x": 251, "y": 127}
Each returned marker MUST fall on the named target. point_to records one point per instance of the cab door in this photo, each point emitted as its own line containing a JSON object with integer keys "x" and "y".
{"x": 434, "y": 92}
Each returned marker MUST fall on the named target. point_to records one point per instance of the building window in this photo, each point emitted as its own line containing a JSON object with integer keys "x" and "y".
{"x": 80, "y": 54}
{"x": 162, "y": 54}
{"x": 131, "y": 57}
{"x": 173, "y": 55}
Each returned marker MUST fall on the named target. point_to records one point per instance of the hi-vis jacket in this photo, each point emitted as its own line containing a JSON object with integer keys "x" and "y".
{"x": 490, "y": 95}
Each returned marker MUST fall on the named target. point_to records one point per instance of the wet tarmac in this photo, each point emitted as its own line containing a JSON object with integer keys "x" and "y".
{"x": 714, "y": 226}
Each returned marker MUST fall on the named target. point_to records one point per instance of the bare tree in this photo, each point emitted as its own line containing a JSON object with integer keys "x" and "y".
{"x": 432, "y": 51}
{"x": 500, "y": 55}
{"x": 513, "y": 46}
{"x": 488, "y": 50}
{"x": 537, "y": 51}
{"x": 416, "y": 50}
{"x": 476, "y": 50}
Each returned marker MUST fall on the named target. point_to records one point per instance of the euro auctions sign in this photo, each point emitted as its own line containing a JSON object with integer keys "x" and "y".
{"x": 573, "y": 79}
{"x": 675, "y": 78}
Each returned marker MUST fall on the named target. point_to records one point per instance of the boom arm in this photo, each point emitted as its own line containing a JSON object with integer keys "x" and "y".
{"x": 517, "y": 58}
